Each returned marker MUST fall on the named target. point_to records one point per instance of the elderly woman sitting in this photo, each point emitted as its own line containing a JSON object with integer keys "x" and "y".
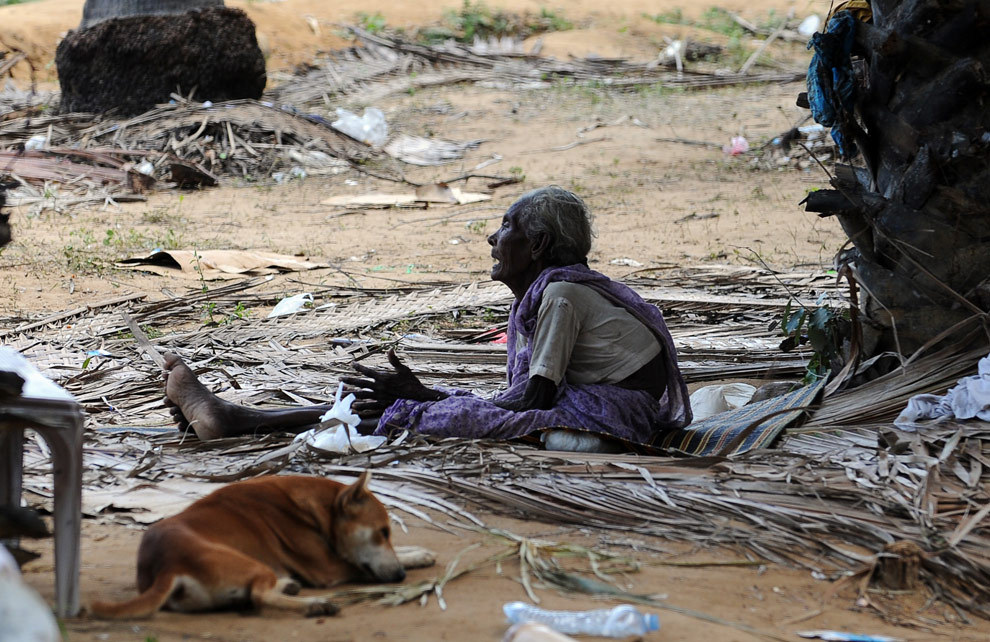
{"x": 586, "y": 355}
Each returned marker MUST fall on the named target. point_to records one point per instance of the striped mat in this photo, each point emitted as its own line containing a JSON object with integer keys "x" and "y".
{"x": 711, "y": 436}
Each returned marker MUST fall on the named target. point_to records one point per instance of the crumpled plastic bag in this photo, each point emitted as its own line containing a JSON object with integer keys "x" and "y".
{"x": 370, "y": 128}
{"x": 738, "y": 145}
{"x": 711, "y": 400}
{"x": 342, "y": 436}
{"x": 291, "y": 304}
{"x": 969, "y": 399}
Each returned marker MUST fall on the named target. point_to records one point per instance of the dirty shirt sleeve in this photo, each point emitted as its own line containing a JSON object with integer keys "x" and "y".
{"x": 557, "y": 328}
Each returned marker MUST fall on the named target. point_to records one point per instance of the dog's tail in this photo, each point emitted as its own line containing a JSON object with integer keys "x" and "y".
{"x": 142, "y": 606}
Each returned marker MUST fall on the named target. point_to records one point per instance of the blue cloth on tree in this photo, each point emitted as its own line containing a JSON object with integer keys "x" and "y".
{"x": 631, "y": 415}
{"x": 831, "y": 86}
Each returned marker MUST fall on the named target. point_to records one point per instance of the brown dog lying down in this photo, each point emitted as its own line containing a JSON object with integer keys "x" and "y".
{"x": 247, "y": 544}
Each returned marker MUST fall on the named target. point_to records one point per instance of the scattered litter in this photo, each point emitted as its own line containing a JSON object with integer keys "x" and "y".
{"x": 340, "y": 437}
{"x": 626, "y": 262}
{"x": 738, "y": 145}
{"x": 295, "y": 173}
{"x": 807, "y": 486}
{"x": 200, "y": 142}
{"x": 417, "y": 150}
{"x": 145, "y": 167}
{"x": 674, "y": 52}
{"x": 842, "y": 636}
{"x": 216, "y": 264}
{"x": 36, "y": 142}
{"x": 967, "y": 400}
{"x": 809, "y": 25}
{"x": 292, "y": 304}
{"x": 617, "y": 622}
{"x": 317, "y": 163}
{"x": 370, "y": 128}
{"x": 341, "y": 409}
{"x": 712, "y": 400}
{"x": 797, "y": 147}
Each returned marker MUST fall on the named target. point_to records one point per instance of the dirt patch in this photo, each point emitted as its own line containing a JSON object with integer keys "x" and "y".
{"x": 774, "y": 600}
{"x": 656, "y": 203}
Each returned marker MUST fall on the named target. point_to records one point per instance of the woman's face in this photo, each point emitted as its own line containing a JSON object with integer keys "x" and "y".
{"x": 513, "y": 252}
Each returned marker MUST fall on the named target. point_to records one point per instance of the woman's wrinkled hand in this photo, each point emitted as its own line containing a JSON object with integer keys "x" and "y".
{"x": 380, "y": 389}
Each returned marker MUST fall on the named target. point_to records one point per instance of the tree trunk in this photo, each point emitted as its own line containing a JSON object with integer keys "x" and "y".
{"x": 4, "y": 217}
{"x": 916, "y": 205}
{"x": 129, "y": 55}
{"x": 95, "y": 11}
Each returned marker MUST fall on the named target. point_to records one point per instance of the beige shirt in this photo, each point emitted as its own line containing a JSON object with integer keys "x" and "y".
{"x": 582, "y": 336}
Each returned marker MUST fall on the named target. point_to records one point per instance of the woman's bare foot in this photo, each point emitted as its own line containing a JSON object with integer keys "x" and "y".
{"x": 192, "y": 405}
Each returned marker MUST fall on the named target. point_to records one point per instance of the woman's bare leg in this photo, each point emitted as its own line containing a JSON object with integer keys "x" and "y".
{"x": 192, "y": 405}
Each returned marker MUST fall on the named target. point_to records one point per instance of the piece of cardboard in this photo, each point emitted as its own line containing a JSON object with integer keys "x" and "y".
{"x": 217, "y": 264}
{"x": 437, "y": 193}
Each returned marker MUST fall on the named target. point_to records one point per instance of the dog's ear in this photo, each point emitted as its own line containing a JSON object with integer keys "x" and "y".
{"x": 362, "y": 481}
{"x": 357, "y": 492}
{"x": 359, "y": 489}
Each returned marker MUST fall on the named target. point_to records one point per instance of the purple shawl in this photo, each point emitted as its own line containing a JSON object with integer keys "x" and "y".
{"x": 631, "y": 415}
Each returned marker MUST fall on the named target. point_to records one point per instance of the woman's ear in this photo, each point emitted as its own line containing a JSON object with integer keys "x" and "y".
{"x": 541, "y": 246}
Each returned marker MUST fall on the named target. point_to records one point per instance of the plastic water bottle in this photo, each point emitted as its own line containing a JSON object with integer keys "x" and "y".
{"x": 616, "y": 622}
{"x": 534, "y": 632}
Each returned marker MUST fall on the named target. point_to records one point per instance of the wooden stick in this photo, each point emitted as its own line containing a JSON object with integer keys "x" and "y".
{"x": 756, "y": 54}
{"x": 144, "y": 344}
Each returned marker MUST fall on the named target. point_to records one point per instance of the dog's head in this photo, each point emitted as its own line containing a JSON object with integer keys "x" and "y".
{"x": 362, "y": 533}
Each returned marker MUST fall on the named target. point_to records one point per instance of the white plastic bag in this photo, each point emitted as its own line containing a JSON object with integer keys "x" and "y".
{"x": 809, "y": 25}
{"x": 340, "y": 438}
{"x": 36, "y": 142}
{"x": 711, "y": 400}
{"x": 291, "y": 304}
{"x": 370, "y": 128}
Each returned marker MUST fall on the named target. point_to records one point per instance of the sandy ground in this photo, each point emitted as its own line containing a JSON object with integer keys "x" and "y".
{"x": 774, "y": 600}
{"x": 290, "y": 30}
{"x": 653, "y": 203}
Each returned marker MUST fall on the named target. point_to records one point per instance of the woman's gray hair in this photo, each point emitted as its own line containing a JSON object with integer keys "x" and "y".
{"x": 564, "y": 218}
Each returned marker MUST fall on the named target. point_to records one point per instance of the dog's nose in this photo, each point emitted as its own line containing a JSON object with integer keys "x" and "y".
{"x": 400, "y": 575}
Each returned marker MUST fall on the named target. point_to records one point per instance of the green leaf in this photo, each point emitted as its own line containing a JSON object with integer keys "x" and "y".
{"x": 819, "y": 318}
{"x": 793, "y": 324}
{"x": 818, "y": 338}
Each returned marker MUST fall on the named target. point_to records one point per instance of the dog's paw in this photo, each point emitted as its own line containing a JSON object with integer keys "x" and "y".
{"x": 288, "y": 586}
{"x": 319, "y": 606}
{"x": 415, "y": 556}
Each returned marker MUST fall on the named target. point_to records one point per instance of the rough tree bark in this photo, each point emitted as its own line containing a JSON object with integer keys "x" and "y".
{"x": 4, "y": 217}
{"x": 129, "y": 55}
{"x": 916, "y": 203}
